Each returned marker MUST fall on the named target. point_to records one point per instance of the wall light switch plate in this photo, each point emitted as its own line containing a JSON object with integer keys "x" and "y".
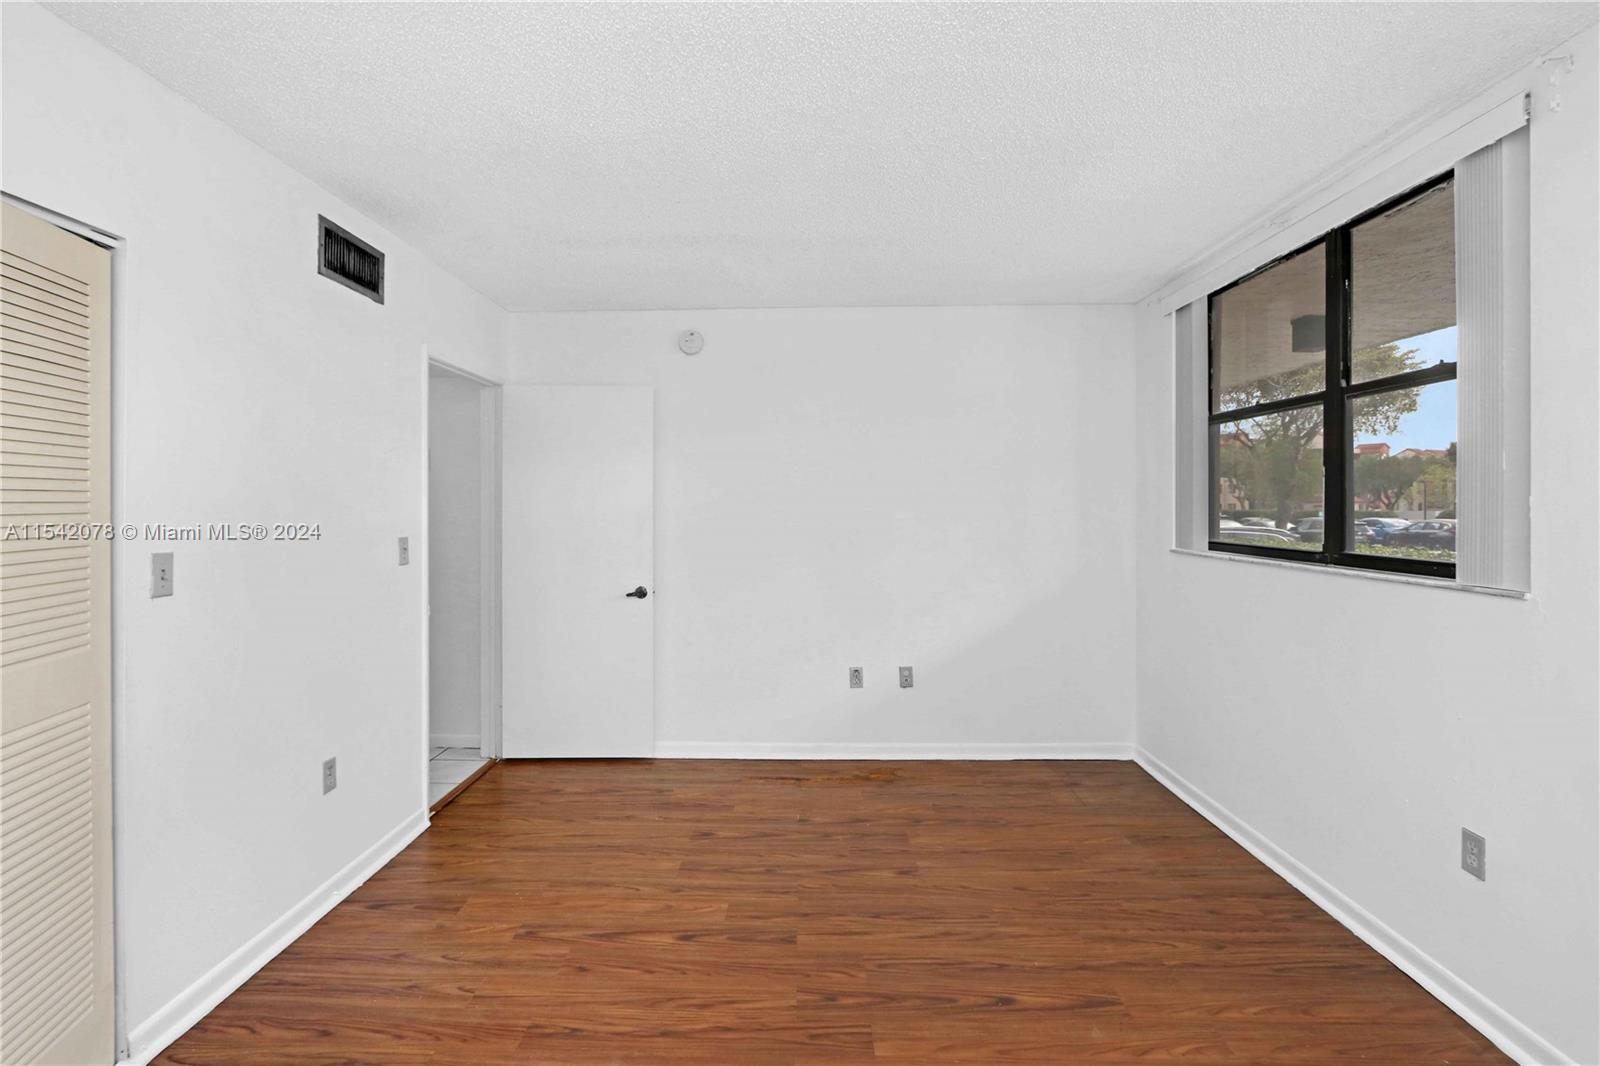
{"x": 330, "y": 775}
{"x": 160, "y": 574}
{"x": 857, "y": 678}
{"x": 1474, "y": 854}
{"x": 905, "y": 677}
{"x": 405, "y": 551}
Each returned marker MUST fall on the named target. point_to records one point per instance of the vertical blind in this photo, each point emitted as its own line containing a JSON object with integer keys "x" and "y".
{"x": 1192, "y": 459}
{"x": 1492, "y": 310}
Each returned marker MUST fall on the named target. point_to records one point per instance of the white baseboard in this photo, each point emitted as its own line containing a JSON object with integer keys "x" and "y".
{"x": 161, "y": 1029}
{"x": 453, "y": 740}
{"x": 716, "y": 749}
{"x": 1476, "y": 1009}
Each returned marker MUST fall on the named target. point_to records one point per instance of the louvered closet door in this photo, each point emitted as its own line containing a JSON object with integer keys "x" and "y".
{"x": 56, "y": 979}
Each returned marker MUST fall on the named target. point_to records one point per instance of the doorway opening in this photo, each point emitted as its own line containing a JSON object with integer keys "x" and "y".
{"x": 463, "y": 561}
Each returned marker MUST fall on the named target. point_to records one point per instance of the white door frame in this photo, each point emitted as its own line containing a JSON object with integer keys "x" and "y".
{"x": 489, "y": 572}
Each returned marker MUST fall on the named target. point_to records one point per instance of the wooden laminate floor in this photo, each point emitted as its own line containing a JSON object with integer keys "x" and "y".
{"x": 808, "y": 913}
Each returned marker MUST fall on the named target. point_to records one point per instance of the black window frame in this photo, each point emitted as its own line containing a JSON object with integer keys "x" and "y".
{"x": 1335, "y": 398}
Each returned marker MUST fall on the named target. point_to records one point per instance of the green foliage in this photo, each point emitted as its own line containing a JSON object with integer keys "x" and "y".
{"x": 1437, "y": 485}
{"x": 1409, "y": 551}
{"x": 1274, "y": 474}
{"x": 1273, "y": 464}
{"x": 1384, "y": 479}
{"x": 1381, "y": 361}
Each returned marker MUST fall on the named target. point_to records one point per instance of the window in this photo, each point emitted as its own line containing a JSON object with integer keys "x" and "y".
{"x": 1332, "y": 379}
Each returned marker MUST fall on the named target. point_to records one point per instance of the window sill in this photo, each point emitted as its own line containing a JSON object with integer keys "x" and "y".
{"x": 1351, "y": 571}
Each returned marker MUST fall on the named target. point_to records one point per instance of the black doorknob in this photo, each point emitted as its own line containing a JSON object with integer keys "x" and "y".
{"x": 638, "y": 593}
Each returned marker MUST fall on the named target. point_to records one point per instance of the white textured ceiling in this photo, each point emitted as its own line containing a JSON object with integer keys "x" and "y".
{"x": 680, "y": 156}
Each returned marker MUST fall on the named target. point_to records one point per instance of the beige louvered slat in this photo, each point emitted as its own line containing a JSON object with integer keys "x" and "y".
{"x": 64, "y": 611}
{"x": 62, "y": 501}
{"x": 66, "y": 584}
{"x": 35, "y": 622}
{"x": 44, "y": 329}
{"x": 34, "y": 549}
{"x": 20, "y": 606}
{"x": 20, "y": 261}
{"x": 50, "y": 512}
{"x": 37, "y": 923}
{"x": 32, "y": 482}
{"x": 46, "y": 915}
{"x": 27, "y": 394}
{"x": 17, "y": 566}
{"x": 45, "y": 654}
{"x": 45, "y": 291}
{"x": 21, "y": 399}
{"x": 44, "y": 442}
{"x": 21, "y": 603}
{"x": 26, "y": 416}
{"x": 51, "y": 641}
{"x": 47, "y": 631}
{"x": 52, "y": 801}
{"x": 16, "y": 397}
{"x": 31, "y": 303}
{"x": 45, "y": 799}
{"x": 55, "y": 896}
{"x": 35, "y": 384}
{"x": 58, "y": 366}
{"x": 23, "y": 588}
{"x": 34, "y": 300}
{"x": 20, "y": 276}
{"x": 21, "y": 463}
{"x": 14, "y": 338}
{"x": 50, "y": 306}
{"x": 23, "y": 492}
{"x": 20, "y": 570}
{"x": 20, "y": 368}
{"x": 30, "y": 442}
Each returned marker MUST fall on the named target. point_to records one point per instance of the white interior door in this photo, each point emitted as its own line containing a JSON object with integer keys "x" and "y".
{"x": 577, "y": 546}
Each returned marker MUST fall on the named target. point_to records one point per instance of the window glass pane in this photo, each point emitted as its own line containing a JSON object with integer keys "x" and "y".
{"x": 1268, "y": 479}
{"x": 1267, "y": 334}
{"x": 1403, "y": 287}
{"x": 1403, "y": 478}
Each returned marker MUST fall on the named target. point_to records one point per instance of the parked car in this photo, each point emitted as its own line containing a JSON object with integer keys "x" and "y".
{"x": 1230, "y": 531}
{"x": 1258, "y": 523}
{"x": 1275, "y": 538}
{"x": 1309, "y": 530}
{"x": 1433, "y": 533}
{"x": 1381, "y": 527}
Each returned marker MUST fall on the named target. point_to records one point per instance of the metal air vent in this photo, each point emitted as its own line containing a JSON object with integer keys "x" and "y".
{"x": 349, "y": 260}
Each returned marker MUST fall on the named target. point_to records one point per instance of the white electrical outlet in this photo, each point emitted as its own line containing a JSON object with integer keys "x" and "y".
{"x": 1474, "y": 854}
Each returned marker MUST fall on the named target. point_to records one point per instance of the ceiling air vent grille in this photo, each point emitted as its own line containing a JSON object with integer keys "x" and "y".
{"x": 349, "y": 260}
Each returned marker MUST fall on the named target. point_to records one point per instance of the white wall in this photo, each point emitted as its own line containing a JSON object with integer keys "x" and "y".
{"x": 1357, "y": 725}
{"x": 949, "y": 488}
{"x": 455, "y": 548}
{"x": 942, "y": 488}
{"x": 248, "y": 389}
